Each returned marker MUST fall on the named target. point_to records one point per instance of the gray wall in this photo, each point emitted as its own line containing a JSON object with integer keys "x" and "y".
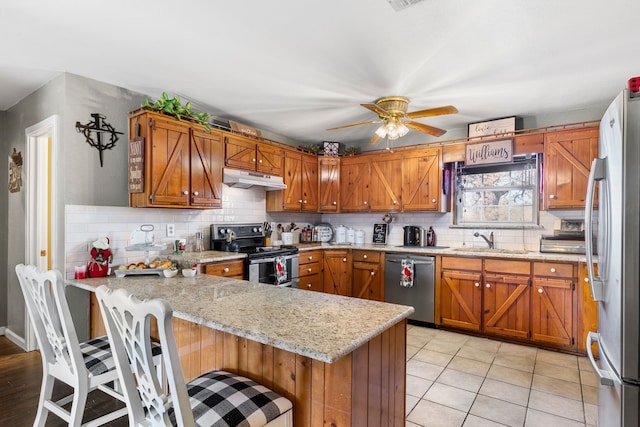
{"x": 4, "y": 195}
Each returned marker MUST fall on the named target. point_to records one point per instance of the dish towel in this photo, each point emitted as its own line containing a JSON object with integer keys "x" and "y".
{"x": 406, "y": 279}
{"x": 281, "y": 270}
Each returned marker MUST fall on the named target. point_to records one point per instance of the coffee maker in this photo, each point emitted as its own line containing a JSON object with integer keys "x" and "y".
{"x": 412, "y": 234}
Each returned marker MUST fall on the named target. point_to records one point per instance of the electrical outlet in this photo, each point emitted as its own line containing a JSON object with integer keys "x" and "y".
{"x": 171, "y": 230}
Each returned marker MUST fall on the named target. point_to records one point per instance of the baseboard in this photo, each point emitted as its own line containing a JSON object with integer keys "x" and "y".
{"x": 15, "y": 338}
{"x": 2, "y": 329}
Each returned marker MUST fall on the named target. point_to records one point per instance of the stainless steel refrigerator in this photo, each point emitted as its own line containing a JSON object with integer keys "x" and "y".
{"x": 616, "y": 285}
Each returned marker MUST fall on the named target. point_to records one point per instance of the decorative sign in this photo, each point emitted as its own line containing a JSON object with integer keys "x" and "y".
{"x": 136, "y": 165}
{"x": 244, "y": 129}
{"x": 504, "y": 126}
{"x": 487, "y": 153}
{"x": 380, "y": 234}
{"x": 15, "y": 171}
{"x": 94, "y": 132}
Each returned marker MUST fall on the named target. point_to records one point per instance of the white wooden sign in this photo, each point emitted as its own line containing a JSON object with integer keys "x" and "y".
{"x": 493, "y": 127}
{"x": 487, "y": 153}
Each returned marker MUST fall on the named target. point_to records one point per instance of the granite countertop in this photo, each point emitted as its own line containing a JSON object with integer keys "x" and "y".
{"x": 321, "y": 326}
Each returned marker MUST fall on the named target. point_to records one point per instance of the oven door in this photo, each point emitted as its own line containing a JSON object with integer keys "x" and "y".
{"x": 264, "y": 270}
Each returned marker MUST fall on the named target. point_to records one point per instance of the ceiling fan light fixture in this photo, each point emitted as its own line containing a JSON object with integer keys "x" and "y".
{"x": 382, "y": 131}
{"x": 395, "y": 129}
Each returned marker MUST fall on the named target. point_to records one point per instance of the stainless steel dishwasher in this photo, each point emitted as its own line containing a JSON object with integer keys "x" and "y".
{"x": 421, "y": 294}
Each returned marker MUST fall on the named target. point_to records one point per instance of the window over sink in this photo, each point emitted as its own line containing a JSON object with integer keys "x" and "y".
{"x": 502, "y": 194}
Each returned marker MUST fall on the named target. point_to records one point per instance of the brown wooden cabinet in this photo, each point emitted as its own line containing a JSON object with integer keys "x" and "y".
{"x": 368, "y": 275}
{"x": 422, "y": 180}
{"x": 329, "y": 184}
{"x": 233, "y": 268}
{"x": 506, "y": 298}
{"x": 182, "y": 163}
{"x": 354, "y": 184}
{"x": 248, "y": 154}
{"x": 371, "y": 183}
{"x": 301, "y": 178}
{"x": 461, "y": 293}
{"x": 337, "y": 272}
{"x": 554, "y": 303}
{"x": 567, "y": 160}
{"x": 310, "y": 270}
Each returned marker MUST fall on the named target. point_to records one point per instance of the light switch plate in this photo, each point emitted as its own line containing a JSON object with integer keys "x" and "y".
{"x": 171, "y": 230}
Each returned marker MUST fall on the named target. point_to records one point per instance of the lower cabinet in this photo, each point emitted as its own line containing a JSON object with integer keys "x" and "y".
{"x": 367, "y": 275}
{"x": 461, "y": 293}
{"x": 233, "y": 269}
{"x": 337, "y": 272}
{"x": 310, "y": 270}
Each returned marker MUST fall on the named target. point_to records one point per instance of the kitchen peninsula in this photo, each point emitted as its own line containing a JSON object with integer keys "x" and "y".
{"x": 340, "y": 360}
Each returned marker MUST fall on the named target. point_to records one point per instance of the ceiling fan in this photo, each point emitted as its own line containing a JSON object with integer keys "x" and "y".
{"x": 395, "y": 120}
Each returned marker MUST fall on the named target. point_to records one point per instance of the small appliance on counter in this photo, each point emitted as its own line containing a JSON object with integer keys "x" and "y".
{"x": 427, "y": 237}
{"x": 412, "y": 235}
{"x": 568, "y": 239}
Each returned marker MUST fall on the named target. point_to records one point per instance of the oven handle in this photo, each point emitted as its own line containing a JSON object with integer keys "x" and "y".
{"x": 272, "y": 259}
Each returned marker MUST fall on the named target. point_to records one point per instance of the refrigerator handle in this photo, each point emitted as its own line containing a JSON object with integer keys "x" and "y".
{"x": 604, "y": 376}
{"x": 597, "y": 173}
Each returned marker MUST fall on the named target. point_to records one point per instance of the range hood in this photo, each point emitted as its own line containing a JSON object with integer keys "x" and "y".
{"x": 246, "y": 179}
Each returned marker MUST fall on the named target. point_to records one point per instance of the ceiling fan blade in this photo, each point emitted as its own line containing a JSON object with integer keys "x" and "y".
{"x": 355, "y": 124}
{"x": 379, "y": 111}
{"x": 375, "y": 139}
{"x": 429, "y": 112}
{"x": 421, "y": 127}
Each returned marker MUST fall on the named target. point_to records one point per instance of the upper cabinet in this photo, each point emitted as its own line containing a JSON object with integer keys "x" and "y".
{"x": 329, "y": 184}
{"x": 182, "y": 163}
{"x": 371, "y": 183}
{"x": 249, "y": 154}
{"x": 301, "y": 178}
{"x": 567, "y": 160}
{"x": 422, "y": 180}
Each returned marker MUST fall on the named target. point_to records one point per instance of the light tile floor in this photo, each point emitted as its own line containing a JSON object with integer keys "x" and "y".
{"x": 456, "y": 380}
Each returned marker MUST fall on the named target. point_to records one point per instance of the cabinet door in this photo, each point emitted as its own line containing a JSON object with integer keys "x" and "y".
{"x": 240, "y": 153}
{"x": 385, "y": 183}
{"x": 367, "y": 281}
{"x": 422, "y": 180}
{"x": 292, "y": 199}
{"x": 234, "y": 269}
{"x": 567, "y": 161}
{"x": 354, "y": 179}
{"x": 506, "y": 305}
{"x": 309, "y": 183}
{"x": 553, "y": 308}
{"x": 337, "y": 272}
{"x": 461, "y": 299}
{"x": 207, "y": 153}
{"x": 169, "y": 163}
{"x": 329, "y": 188}
{"x": 270, "y": 159}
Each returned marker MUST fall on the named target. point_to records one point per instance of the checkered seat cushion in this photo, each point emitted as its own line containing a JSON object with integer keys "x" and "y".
{"x": 222, "y": 399}
{"x": 97, "y": 355}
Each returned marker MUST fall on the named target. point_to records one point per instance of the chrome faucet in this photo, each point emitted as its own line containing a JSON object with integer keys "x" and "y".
{"x": 489, "y": 240}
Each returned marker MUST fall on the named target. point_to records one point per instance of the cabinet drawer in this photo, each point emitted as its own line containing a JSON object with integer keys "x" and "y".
{"x": 507, "y": 266}
{"x": 307, "y": 257}
{"x": 459, "y": 263}
{"x": 553, "y": 269}
{"x": 310, "y": 268}
{"x": 311, "y": 283}
{"x": 366, "y": 256}
{"x": 233, "y": 269}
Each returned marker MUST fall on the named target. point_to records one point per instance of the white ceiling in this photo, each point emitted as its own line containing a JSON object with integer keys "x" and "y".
{"x": 296, "y": 67}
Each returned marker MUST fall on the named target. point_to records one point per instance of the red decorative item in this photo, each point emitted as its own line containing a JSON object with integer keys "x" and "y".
{"x": 634, "y": 84}
{"x": 100, "y": 258}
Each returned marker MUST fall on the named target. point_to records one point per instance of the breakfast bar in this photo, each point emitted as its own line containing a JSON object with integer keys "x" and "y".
{"x": 340, "y": 360}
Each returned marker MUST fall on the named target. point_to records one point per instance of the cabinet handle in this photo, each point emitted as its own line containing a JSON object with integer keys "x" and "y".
{"x": 433, "y": 200}
{"x": 226, "y": 269}
{"x": 253, "y": 160}
{"x": 553, "y": 270}
{"x": 477, "y": 285}
{"x": 365, "y": 202}
{"x": 334, "y": 203}
{"x": 364, "y": 256}
{"x": 488, "y": 285}
{"x": 540, "y": 290}
{"x": 310, "y": 257}
{"x": 195, "y": 193}
{"x": 185, "y": 192}
{"x": 586, "y": 280}
{"x": 300, "y": 201}
{"x": 260, "y": 161}
{"x": 344, "y": 260}
{"x": 373, "y": 273}
{"x": 309, "y": 285}
{"x": 309, "y": 270}
{"x": 552, "y": 196}
{"x": 395, "y": 202}
{"x": 304, "y": 202}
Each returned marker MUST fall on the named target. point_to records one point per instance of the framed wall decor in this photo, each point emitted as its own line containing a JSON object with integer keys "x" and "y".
{"x": 503, "y": 126}
{"x": 380, "y": 234}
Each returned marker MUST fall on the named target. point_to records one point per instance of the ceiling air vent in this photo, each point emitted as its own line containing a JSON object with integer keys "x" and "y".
{"x": 399, "y": 5}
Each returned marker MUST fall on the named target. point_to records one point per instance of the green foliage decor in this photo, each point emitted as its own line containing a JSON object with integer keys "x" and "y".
{"x": 174, "y": 107}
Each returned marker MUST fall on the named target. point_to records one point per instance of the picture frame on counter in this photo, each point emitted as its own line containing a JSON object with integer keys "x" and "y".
{"x": 380, "y": 234}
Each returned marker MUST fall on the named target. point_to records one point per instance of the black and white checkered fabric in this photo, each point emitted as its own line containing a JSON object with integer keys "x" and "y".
{"x": 97, "y": 355}
{"x": 223, "y": 399}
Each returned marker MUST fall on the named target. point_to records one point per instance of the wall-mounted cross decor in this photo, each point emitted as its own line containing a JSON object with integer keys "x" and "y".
{"x": 93, "y": 131}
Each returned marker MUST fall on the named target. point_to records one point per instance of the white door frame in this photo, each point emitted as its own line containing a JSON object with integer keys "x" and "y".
{"x": 41, "y": 236}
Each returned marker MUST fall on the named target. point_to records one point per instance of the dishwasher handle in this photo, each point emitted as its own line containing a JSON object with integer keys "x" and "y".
{"x": 398, "y": 261}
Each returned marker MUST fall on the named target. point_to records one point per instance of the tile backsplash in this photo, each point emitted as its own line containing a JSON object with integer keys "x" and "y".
{"x": 85, "y": 224}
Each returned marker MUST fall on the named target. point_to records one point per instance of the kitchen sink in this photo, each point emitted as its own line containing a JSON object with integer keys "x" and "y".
{"x": 493, "y": 250}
